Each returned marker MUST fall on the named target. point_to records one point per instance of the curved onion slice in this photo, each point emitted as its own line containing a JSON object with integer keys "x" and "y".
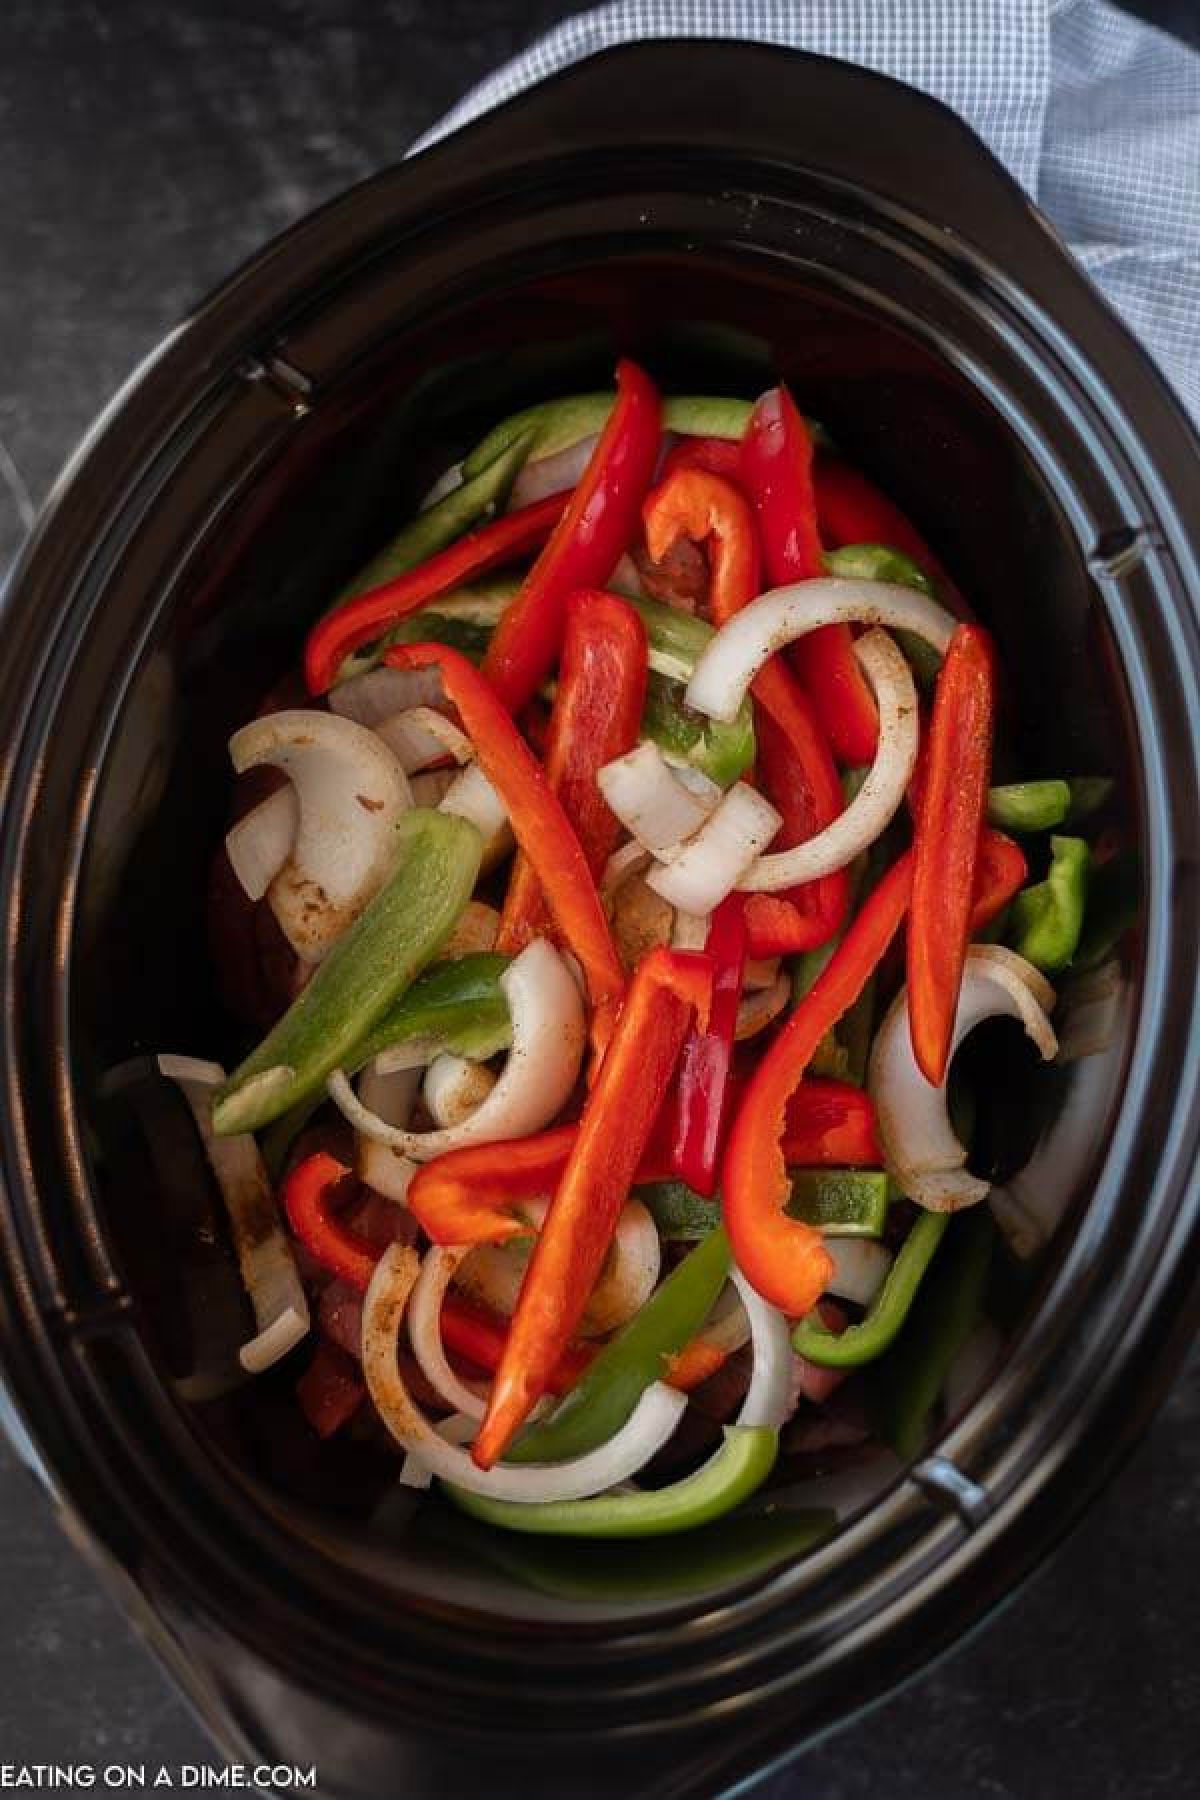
{"x": 650, "y": 1425}
{"x": 431, "y": 786}
{"x": 768, "y": 1399}
{"x": 260, "y": 843}
{"x": 472, "y": 796}
{"x": 920, "y": 1148}
{"x": 493, "y": 1273}
{"x": 746, "y": 641}
{"x": 459, "y": 1428}
{"x": 711, "y": 864}
{"x": 548, "y": 1034}
{"x": 425, "y": 1330}
{"x": 727, "y": 1327}
{"x": 552, "y": 474}
{"x": 652, "y": 803}
{"x": 382, "y": 693}
{"x": 421, "y": 735}
{"x": 455, "y": 1087}
{"x": 690, "y": 930}
{"x": 390, "y": 1094}
{"x": 860, "y": 1267}
{"x": 881, "y": 794}
{"x": 757, "y": 1009}
{"x": 351, "y": 791}
{"x": 624, "y": 863}
{"x": 265, "y": 1259}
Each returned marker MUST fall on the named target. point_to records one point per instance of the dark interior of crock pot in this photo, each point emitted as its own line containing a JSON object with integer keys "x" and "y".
{"x": 353, "y": 469}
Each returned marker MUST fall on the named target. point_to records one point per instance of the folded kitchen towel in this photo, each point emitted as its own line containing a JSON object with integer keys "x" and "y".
{"x": 1096, "y": 115}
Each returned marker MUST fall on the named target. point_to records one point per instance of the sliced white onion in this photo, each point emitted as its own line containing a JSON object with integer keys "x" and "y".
{"x": 455, "y": 1087}
{"x": 881, "y": 794}
{"x": 477, "y": 929}
{"x": 860, "y": 1268}
{"x": 713, "y": 862}
{"x": 390, "y": 1094}
{"x": 265, "y": 1260}
{"x": 552, "y": 474}
{"x": 425, "y": 1331}
{"x": 382, "y": 693}
{"x": 548, "y": 1036}
{"x": 629, "y": 860}
{"x": 690, "y": 931}
{"x": 727, "y": 1327}
{"x": 446, "y": 483}
{"x": 493, "y": 1273}
{"x": 472, "y": 796}
{"x": 351, "y": 791}
{"x": 647, "y": 1429}
{"x": 920, "y": 1148}
{"x": 421, "y": 735}
{"x": 260, "y": 843}
{"x": 768, "y": 1399}
{"x": 757, "y": 1010}
{"x": 751, "y": 637}
{"x": 458, "y": 1428}
{"x": 431, "y": 786}
{"x": 652, "y": 803}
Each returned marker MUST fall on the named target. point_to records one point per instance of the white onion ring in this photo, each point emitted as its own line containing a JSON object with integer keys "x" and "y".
{"x": 768, "y": 1399}
{"x": 390, "y": 1093}
{"x": 438, "y": 1267}
{"x": 650, "y": 1425}
{"x": 548, "y": 1036}
{"x": 458, "y": 1428}
{"x": 471, "y": 796}
{"x": 757, "y": 1009}
{"x": 712, "y": 863}
{"x": 651, "y": 801}
{"x": 382, "y": 693}
{"x": 260, "y": 843}
{"x": 351, "y": 792}
{"x": 552, "y": 474}
{"x": 860, "y": 1268}
{"x": 727, "y": 1327}
{"x": 421, "y": 735}
{"x": 455, "y": 1087}
{"x": 751, "y": 637}
{"x": 493, "y": 1273}
{"x": 882, "y": 793}
{"x": 920, "y": 1148}
{"x": 265, "y": 1260}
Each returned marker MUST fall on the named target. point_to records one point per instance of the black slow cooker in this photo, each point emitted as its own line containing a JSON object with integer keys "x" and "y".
{"x": 724, "y": 212}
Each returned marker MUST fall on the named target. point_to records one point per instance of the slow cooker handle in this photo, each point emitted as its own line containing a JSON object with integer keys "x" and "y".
{"x": 776, "y": 108}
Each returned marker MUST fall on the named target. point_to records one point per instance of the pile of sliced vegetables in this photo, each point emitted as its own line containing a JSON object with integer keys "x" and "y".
{"x": 604, "y": 1139}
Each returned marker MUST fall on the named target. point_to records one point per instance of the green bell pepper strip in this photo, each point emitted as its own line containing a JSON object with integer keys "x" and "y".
{"x": 1113, "y": 904}
{"x": 1047, "y": 919}
{"x": 841, "y": 1202}
{"x": 601, "y": 1401}
{"x": 721, "y": 751}
{"x": 863, "y": 1342}
{"x": 880, "y": 562}
{"x": 1089, "y": 794}
{"x": 1028, "y": 805}
{"x": 741, "y": 1465}
{"x": 387, "y": 946}
{"x": 554, "y": 425}
{"x": 440, "y": 628}
{"x": 440, "y": 524}
{"x": 680, "y": 1214}
{"x": 905, "y": 1387}
{"x": 456, "y": 1006}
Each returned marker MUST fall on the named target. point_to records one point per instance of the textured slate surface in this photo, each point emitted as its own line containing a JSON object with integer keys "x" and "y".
{"x": 144, "y": 149}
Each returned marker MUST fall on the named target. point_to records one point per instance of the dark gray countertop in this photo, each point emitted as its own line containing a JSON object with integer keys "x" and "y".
{"x": 145, "y": 150}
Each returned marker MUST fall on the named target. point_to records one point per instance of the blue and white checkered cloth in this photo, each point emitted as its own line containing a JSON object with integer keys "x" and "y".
{"x": 1097, "y": 116}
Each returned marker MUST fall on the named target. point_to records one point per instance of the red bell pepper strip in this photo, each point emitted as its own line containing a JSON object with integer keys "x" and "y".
{"x": 1000, "y": 873}
{"x": 831, "y": 1122}
{"x": 949, "y": 821}
{"x": 479, "y": 1337}
{"x": 330, "y": 1391}
{"x": 776, "y": 472}
{"x": 540, "y": 825}
{"x": 669, "y": 989}
{"x": 597, "y": 716}
{"x": 703, "y": 1092}
{"x": 795, "y": 764}
{"x": 586, "y": 544}
{"x": 852, "y": 510}
{"x": 305, "y": 1198}
{"x": 783, "y": 1257}
{"x": 719, "y": 456}
{"x": 369, "y": 615}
